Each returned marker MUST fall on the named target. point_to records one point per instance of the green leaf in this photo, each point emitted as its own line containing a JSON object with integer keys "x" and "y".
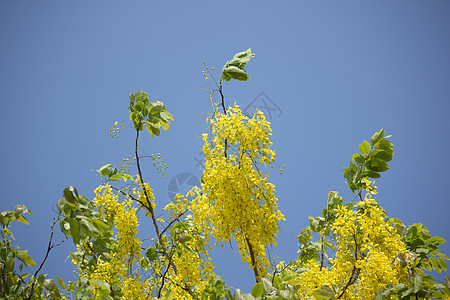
{"x": 169, "y": 295}
{"x": 233, "y": 72}
{"x": 105, "y": 170}
{"x": 165, "y": 116}
{"x": 241, "y": 59}
{"x": 141, "y": 96}
{"x": 132, "y": 99}
{"x": 386, "y": 145}
{"x": 377, "y": 136}
{"x": 417, "y": 283}
{"x": 133, "y": 116}
{"x": 152, "y": 129}
{"x": 50, "y": 285}
{"x": 27, "y": 260}
{"x": 19, "y": 208}
{"x": 90, "y": 228}
{"x": 383, "y": 155}
{"x": 156, "y": 107}
{"x": 305, "y": 236}
{"x": 151, "y": 254}
{"x": 22, "y": 219}
{"x": 139, "y": 106}
{"x": 323, "y": 294}
{"x": 165, "y": 125}
{"x": 41, "y": 279}
{"x": 75, "y": 230}
{"x": 61, "y": 282}
{"x": 115, "y": 177}
{"x": 358, "y": 158}
{"x": 257, "y": 290}
{"x": 237, "y": 294}
{"x": 447, "y": 281}
{"x": 247, "y": 297}
{"x": 100, "y": 225}
{"x": 267, "y": 285}
{"x": 436, "y": 241}
{"x": 285, "y": 294}
{"x": 234, "y": 69}
{"x": 69, "y": 196}
{"x": 379, "y": 295}
{"x": 60, "y": 205}
{"x": 377, "y": 165}
{"x": 364, "y": 147}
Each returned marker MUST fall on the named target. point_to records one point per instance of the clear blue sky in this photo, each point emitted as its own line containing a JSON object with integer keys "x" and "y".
{"x": 337, "y": 70}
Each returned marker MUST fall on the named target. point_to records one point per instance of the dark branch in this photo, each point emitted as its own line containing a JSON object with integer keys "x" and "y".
{"x": 252, "y": 256}
{"x": 49, "y": 248}
{"x": 152, "y": 212}
{"x": 225, "y": 112}
{"x": 355, "y": 271}
{"x": 170, "y": 224}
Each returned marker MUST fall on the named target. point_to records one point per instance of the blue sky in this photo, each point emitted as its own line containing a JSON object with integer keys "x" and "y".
{"x": 337, "y": 71}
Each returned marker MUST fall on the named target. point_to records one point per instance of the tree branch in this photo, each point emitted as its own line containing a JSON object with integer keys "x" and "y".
{"x": 252, "y": 256}
{"x": 49, "y": 247}
{"x": 2, "y": 280}
{"x": 355, "y": 271}
{"x": 224, "y": 112}
{"x": 151, "y": 210}
{"x": 165, "y": 273}
{"x": 170, "y": 224}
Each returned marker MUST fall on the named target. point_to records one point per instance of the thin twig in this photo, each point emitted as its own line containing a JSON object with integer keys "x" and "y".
{"x": 322, "y": 246}
{"x": 2, "y": 280}
{"x": 355, "y": 271}
{"x": 225, "y": 112}
{"x": 170, "y": 224}
{"x": 151, "y": 210}
{"x": 50, "y": 247}
{"x": 92, "y": 250}
{"x": 165, "y": 273}
{"x": 133, "y": 198}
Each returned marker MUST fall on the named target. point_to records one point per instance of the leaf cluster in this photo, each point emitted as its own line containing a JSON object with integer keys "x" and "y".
{"x": 424, "y": 255}
{"x": 109, "y": 173}
{"x": 80, "y": 219}
{"x": 234, "y": 69}
{"x": 151, "y": 114}
{"x": 13, "y": 284}
{"x": 371, "y": 160}
{"x": 309, "y": 249}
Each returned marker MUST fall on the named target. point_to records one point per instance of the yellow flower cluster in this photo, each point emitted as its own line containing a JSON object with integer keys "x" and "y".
{"x": 237, "y": 201}
{"x": 129, "y": 246}
{"x": 194, "y": 269}
{"x": 105, "y": 201}
{"x": 146, "y": 196}
{"x": 135, "y": 289}
{"x": 127, "y": 229}
{"x": 109, "y": 271}
{"x": 125, "y": 219}
{"x": 366, "y": 257}
{"x": 193, "y": 263}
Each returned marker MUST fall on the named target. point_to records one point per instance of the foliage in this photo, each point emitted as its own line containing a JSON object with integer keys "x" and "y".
{"x": 12, "y": 281}
{"x": 351, "y": 251}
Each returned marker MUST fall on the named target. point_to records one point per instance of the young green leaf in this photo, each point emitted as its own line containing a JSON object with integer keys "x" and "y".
{"x": 257, "y": 290}
{"x": 377, "y": 136}
{"x": 364, "y": 147}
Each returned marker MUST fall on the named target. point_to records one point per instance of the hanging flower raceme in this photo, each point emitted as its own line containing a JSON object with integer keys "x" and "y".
{"x": 237, "y": 201}
{"x": 125, "y": 219}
